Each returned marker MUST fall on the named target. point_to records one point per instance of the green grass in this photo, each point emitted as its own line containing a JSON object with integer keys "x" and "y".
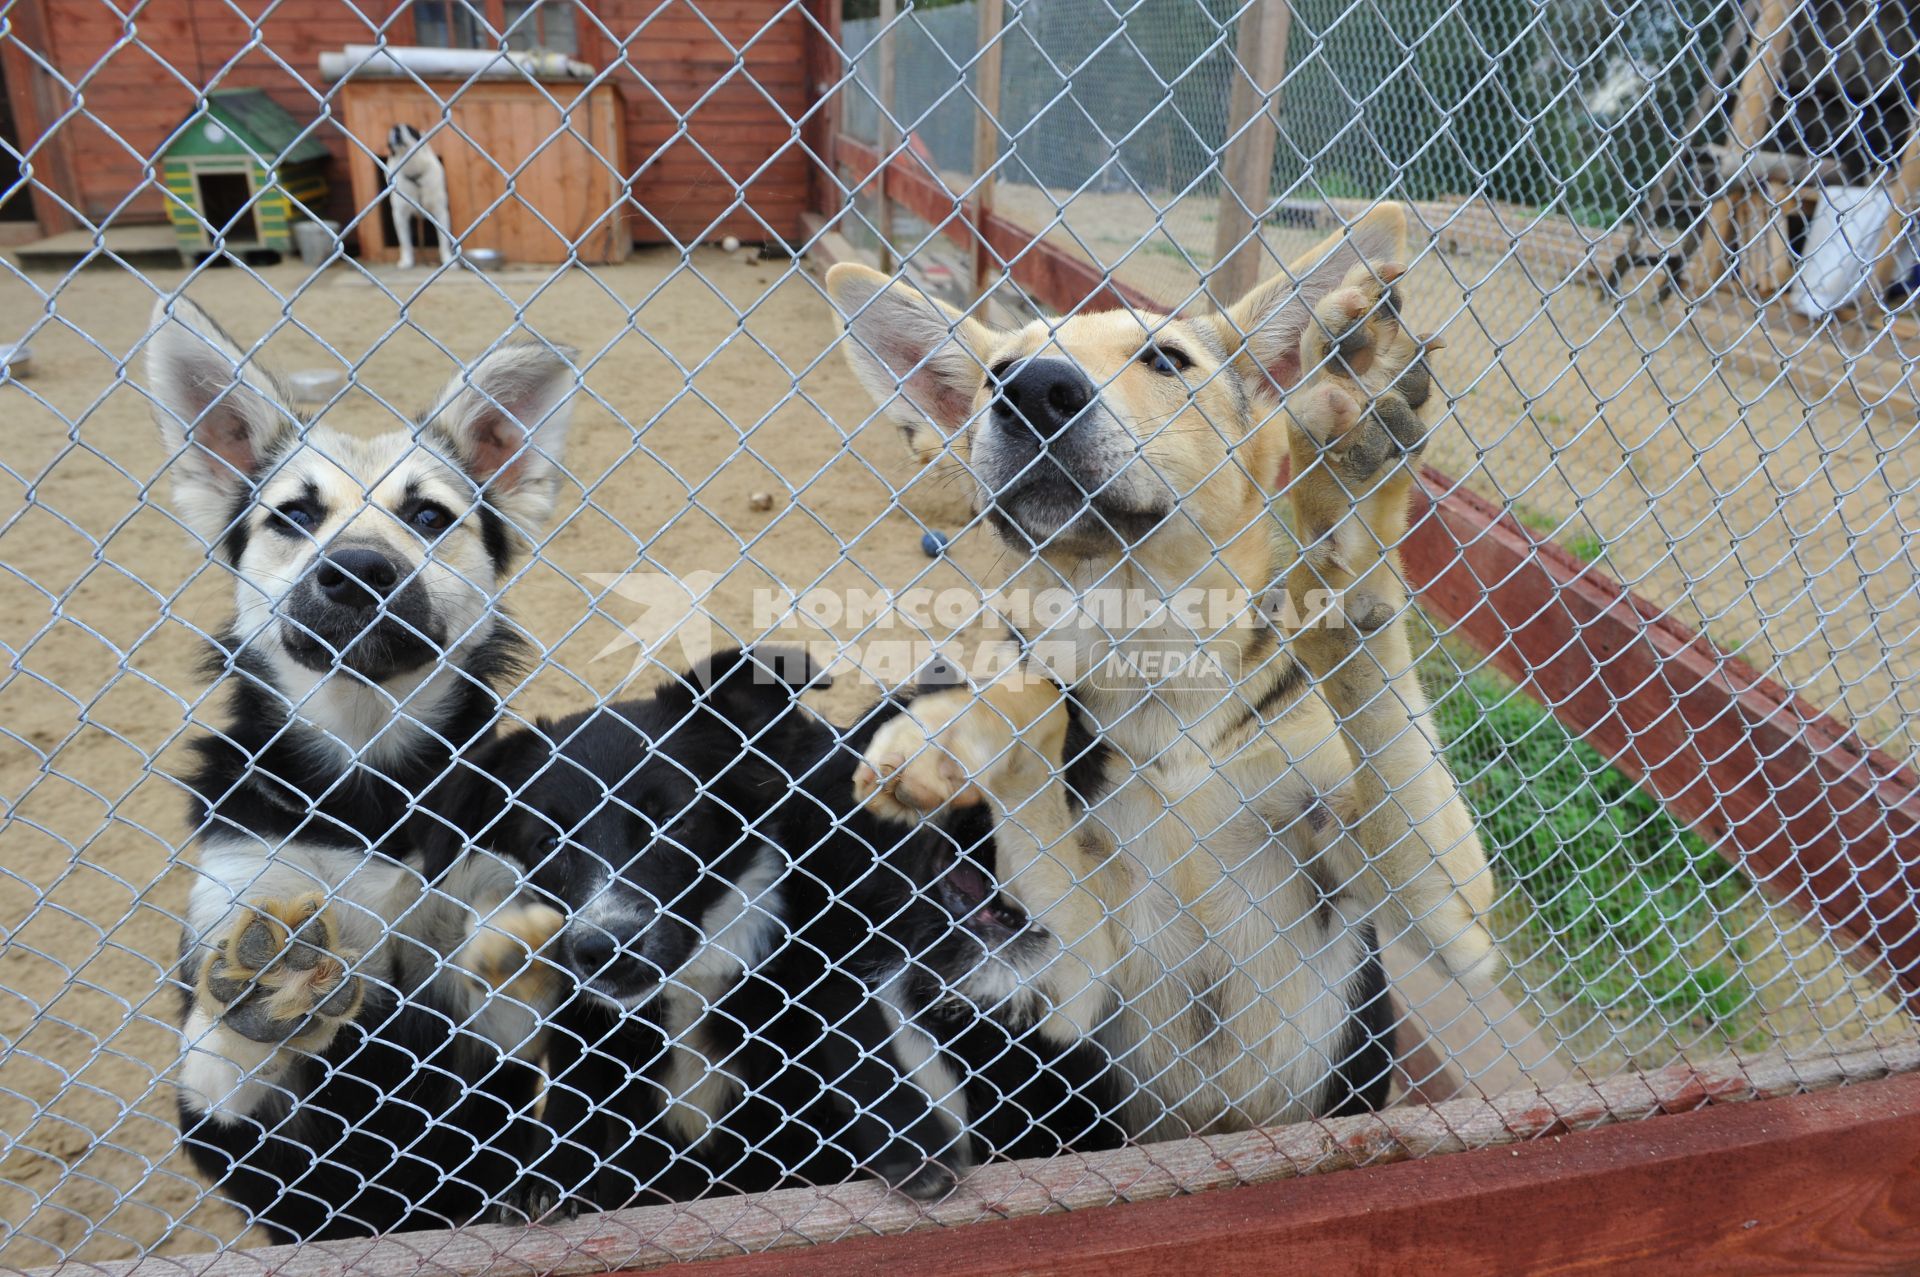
{"x": 1587, "y": 548}
{"x": 1538, "y": 520}
{"x": 1624, "y": 899}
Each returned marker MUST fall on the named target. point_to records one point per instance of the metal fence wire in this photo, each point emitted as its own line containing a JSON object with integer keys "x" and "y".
{"x": 1453, "y": 635}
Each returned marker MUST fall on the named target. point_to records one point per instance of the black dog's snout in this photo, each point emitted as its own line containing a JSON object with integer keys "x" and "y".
{"x": 1047, "y": 394}
{"x": 356, "y": 578}
{"x": 590, "y": 950}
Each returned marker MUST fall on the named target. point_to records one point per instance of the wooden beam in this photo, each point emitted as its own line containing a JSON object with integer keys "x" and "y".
{"x": 986, "y": 137}
{"x": 785, "y": 1222}
{"x": 1246, "y": 169}
{"x": 1814, "y": 815}
{"x": 889, "y": 138}
{"x": 826, "y": 72}
{"x": 1905, "y": 189}
{"x": 37, "y": 106}
{"x": 1820, "y": 1184}
{"x": 1053, "y": 276}
{"x": 1749, "y": 128}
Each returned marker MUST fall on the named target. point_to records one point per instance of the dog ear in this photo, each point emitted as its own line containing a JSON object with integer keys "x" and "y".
{"x": 1265, "y": 326}
{"x": 921, "y": 360}
{"x": 223, "y": 418}
{"x": 505, "y": 421}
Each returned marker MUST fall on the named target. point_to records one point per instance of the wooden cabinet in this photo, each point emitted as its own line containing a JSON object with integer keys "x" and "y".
{"x": 533, "y": 170}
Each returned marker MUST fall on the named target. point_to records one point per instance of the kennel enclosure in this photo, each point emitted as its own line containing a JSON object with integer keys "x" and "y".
{"x": 1675, "y": 524}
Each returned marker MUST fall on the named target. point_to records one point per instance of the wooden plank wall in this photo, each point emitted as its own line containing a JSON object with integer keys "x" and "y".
{"x": 1825, "y": 1183}
{"x": 141, "y": 76}
{"x": 713, "y": 91}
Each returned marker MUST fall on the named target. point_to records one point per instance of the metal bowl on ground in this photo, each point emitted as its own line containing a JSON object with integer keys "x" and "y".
{"x": 312, "y": 386}
{"x": 486, "y": 258}
{"x": 16, "y": 358}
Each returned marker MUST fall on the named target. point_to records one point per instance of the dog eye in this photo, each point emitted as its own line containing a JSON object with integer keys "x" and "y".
{"x": 1166, "y": 360}
{"x": 431, "y": 519}
{"x": 303, "y": 515}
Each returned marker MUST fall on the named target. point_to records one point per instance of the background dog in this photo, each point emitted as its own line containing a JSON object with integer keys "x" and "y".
{"x": 340, "y": 1007}
{"x": 1207, "y": 880}
{"x": 416, "y": 182}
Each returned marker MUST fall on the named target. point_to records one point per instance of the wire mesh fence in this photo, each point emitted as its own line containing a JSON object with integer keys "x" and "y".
{"x": 1455, "y": 638}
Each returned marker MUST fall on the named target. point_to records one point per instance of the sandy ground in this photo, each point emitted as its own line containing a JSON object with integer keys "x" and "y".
{"x": 691, "y": 410}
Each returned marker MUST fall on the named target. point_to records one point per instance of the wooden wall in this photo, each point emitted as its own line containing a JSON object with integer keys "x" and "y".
{"x": 741, "y": 142}
{"x": 737, "y": 159}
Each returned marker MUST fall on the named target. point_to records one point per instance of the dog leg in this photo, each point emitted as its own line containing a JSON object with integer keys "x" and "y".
{"x": 1006, "y": 744}
{"x": 442, "y": 217}
{"x": 402, "y": 227}
{"x": 1353, "y": 454}
{"x": 278, "y": 985}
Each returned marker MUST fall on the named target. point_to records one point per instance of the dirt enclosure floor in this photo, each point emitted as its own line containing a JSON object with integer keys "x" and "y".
{"x": 691, "y": 409}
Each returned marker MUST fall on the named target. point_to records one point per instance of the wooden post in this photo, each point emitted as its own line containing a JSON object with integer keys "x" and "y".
{"x": 826, "y": 73}
{"x": 1246, "y": 168}
{"x": 889, "y": 138}
{"x": 37, "y": 107}
{"x": 1752, "y": 113}
{"x": 986, "y": 137}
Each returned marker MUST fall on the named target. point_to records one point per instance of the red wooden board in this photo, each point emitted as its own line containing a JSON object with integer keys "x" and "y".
{"x": 1815, "y": 1184}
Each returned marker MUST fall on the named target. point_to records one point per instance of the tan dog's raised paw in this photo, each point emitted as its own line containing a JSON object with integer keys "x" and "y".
{"x": 506, "y": 953}
{"x": 918, "y": 762}
{"x": 957, "y": 747}
{"x": 280, "y": 975}
{"x": 1359, "y": 444}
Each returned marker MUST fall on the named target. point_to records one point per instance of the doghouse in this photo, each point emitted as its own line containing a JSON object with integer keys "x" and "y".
{"x": 235, "y": 172}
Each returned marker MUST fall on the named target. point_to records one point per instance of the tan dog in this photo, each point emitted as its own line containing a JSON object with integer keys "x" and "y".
{"x": 1200, "y": 901}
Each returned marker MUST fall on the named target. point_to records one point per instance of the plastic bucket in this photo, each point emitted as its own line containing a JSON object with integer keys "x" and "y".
{"x": 316, "y": 241}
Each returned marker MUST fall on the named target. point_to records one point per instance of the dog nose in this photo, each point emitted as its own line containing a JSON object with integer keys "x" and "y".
{"x": 590, "y": 951}
{"x": 1047, "y": 394}
{"x": 356, "y": 578}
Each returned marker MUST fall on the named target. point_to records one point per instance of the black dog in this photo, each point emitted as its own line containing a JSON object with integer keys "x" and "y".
{"x": 768, "y": 971}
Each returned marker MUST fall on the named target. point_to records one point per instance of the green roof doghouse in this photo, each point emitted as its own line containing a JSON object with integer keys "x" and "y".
{"x": 239, "y": 170}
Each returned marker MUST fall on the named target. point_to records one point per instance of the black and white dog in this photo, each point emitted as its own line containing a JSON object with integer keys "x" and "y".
{"x": 416, "y": 183}
{"x": 358, "y": 1042}
{"x": 770, "y": 971}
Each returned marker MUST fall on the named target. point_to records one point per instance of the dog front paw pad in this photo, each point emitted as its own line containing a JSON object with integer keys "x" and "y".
{"x": 1360, "y": 445}
{"x": 280, "y": 974}
{"x": 505, "y": 951}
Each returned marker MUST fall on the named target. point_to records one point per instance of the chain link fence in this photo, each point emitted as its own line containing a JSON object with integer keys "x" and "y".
{"x": 509, "y": 895}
